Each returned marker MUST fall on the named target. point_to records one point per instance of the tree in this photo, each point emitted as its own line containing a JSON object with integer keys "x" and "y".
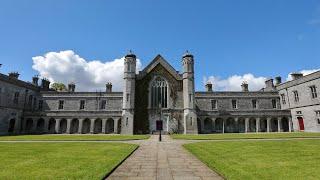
{"x": 59, "y": 86}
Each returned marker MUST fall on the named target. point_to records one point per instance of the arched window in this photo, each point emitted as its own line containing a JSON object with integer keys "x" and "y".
{"x": 159, "y": 93}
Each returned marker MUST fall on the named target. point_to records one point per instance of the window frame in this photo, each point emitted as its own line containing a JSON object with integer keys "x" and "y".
{"x": 283, "y": 98}
{"x": 236, "y": 104}
{"x": 60, "y": 104}
{"x": 313, "y": 91}
{"x": 296, "y": 96}
{"x": 103, "y": 103}
{"x": 214, "y": 104}
{"x": 274, "y": 103}
{"x": 82, "y": 105}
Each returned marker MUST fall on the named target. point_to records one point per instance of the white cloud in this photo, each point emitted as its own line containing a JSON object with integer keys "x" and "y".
{"x": 66, "y": 67}
{"x": 233, "y": 83}
{"x": 304, "y": 72}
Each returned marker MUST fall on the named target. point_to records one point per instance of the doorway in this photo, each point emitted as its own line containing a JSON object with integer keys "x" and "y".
{"x": 301, "y": 123}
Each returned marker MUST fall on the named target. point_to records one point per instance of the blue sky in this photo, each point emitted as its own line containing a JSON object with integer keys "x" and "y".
{"x": 265, "y": 38}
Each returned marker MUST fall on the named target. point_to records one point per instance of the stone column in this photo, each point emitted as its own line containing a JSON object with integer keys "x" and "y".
{"x": 57, "y": 128}
{"x": 115, "y": 125}
{"x": 80, "y": 126}
{"x": 34, "y": 128}
{"x": 289, "y": 123}
{"x": 91, "y": 125}
{"x": 104, "y": 121}
{"x": 268, "y": 124}
{"x": 213, "y": 124}
{"x": 68, "y": 126}
{"x": 222, "y": 125}
{"x": 257, "y": 124}
{"x": 236, "y": 123}
{"x": 46, "y": 125}
{"x": 246, "y": 124}
{"x": 279, "y": 124}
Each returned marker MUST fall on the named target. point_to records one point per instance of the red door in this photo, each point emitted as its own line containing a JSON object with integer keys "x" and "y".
{"x": 301, "y": 124}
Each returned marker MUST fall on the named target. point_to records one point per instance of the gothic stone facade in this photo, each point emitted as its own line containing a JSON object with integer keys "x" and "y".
{"x": 157, "y": 93}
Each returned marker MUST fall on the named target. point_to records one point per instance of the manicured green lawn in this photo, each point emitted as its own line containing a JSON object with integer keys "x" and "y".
{"x": 73, "y": 137}
{"x": 245, "y": 136}
{"x": 60, "y": 160}
{"x": 286, "y": 159}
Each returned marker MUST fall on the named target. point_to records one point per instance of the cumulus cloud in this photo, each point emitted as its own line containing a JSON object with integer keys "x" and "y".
{"x": 66, "y": 67}
{"x": 233, "y": 83}
{"x": 304, "y": 72}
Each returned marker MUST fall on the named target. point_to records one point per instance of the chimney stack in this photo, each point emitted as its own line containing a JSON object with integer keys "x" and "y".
{"x": 245, "y": 87}
{"x": 278, "y": 80}
{"x": 109, "y": 87}
{"x": 35, "y": 80}
{"x": 45, "y": 83}
{"x": 71, "y": 87}
{"x": 209, "y": 87}
{"x": 269, "y": 85}
{"x": 14, "y": 75}
{"x": 296, "y": 76}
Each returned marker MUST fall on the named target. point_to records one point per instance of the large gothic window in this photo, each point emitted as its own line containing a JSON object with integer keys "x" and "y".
{"x": 159, "y": 93}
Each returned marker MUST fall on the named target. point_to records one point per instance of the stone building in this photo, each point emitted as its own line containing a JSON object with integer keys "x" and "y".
{"x": 301, "y": 97}
{"x": 157, "y": 93}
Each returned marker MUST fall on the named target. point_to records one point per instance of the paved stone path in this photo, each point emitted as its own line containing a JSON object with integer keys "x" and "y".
{"x": 165, "y": 160}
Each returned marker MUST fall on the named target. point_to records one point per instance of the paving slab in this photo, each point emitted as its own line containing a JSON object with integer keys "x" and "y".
{"x": 166, "y": 160}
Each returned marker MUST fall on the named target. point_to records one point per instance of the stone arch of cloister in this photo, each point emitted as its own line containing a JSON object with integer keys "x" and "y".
{"x": 65, "y": 125}
{"x": 240, "y": 124}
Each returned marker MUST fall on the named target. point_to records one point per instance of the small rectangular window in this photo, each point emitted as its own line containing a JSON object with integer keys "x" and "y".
{"x": 82, "y": 104}
{"x": 313, "y": 92}
{"x": 254, "y": 104}
{"x": 40, "y": 107}
{"x": 190, "y": 97}
{"x": 61, "y": 104}
{"x": 296, "y": 96}
{"x": 128, "y": 97}
{"x": 318, "y": 116}
{"x": 283, "y": 99}
{"x": 234, "y": 104}
{"x": 16, "y": 98}
{"x": 103, "y": 104}
{"x": 34, "y": 103}
{"x": 274, "y": 103}
{"x": 214, "y": 104}
{"x": 30, "y": 101}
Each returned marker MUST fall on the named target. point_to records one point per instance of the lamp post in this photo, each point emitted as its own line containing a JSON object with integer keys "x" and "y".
{"x": 160, "y": 122}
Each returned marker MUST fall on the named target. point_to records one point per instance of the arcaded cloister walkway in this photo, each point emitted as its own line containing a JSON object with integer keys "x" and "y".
{"x": 166, "y": 160}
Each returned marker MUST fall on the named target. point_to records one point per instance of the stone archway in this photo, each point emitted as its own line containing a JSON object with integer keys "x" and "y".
{"x": 207, "y": 125}
{"x": 40, "y": 125}
{"x": 29, "y": 125}
{"x": 74, "y": 126}
{"x": 285, "y": 124}
{"x": 97, "y": 126}
{"x": 252, "y": 125}
{"x": 219, "y": 125}
{"x": 110, "y": 126}
{"x": 230, "y": 126}
{"x": 52, "y": 126}
{"x": 12, "y": 123}
{"x": 242, "y": 125}
{"x": 263, "y": 125}
{"x": 63, "y": 126}
{"x": 274, "y": 125}
{"x": 86, "y": 126}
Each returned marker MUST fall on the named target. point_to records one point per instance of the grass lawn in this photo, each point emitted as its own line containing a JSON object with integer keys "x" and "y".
{"x": 60, "y": 160}
{"x": 73, "y": 137}
{"x": 246, "y": 136}
{"x": 288, "y": 159}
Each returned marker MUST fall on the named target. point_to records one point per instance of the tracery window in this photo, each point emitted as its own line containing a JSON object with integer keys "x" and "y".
{"x": 159, "y": 93}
